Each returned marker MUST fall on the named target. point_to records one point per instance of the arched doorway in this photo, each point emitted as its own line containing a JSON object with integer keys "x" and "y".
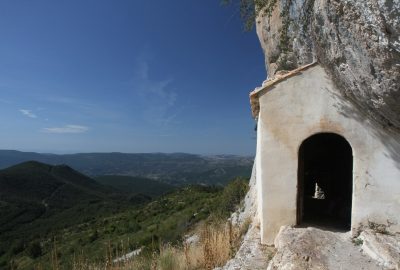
{"x": 325, "y": 182}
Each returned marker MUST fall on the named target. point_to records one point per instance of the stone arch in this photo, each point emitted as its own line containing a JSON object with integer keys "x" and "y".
{"x": 325, "y": 181}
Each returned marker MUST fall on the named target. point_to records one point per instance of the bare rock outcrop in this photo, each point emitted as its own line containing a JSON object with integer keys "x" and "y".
{"x": 251, "y": 254}
{"x": 358, "y": 43}
{"x": 312, "y": 248}
{"x": 383, "y": 248}
{"x": 248, "y": 211}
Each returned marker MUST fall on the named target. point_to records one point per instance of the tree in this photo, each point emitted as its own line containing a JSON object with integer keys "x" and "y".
{"x": 234, "y": 193}
{"x": 35, "y": 250}
{"x": 250, "y": 9}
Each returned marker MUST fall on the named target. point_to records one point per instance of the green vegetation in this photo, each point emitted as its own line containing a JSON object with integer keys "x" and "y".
{"x": 36, "y": 198}
{"x": 250, "y": 9}
{"x": 309, "y": 7}
{"x": 54, "y": 216}
{"x": 357, "y": 241}
{"x": 34, "y": 250}
{"x": 230, "y": 198}
{"x": 134, "y": 186}
{"x": 284, "y": 36}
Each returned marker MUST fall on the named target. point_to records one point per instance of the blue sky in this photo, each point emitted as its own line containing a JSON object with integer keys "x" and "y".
{"x": 126, "y": 76}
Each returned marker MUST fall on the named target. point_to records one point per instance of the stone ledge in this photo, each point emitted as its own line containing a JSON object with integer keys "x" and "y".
{"x": 255, "y": 106}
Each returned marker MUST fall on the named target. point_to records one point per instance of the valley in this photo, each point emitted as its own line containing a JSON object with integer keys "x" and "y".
{"x": 54, "y": 210}
{"x": 175, "y": 168}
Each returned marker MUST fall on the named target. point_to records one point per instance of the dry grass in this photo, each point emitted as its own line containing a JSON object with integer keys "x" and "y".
{"x": 218, "y": 242}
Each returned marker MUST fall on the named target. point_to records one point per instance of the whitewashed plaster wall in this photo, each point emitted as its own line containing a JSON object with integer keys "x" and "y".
{"x": 306, "y": 104}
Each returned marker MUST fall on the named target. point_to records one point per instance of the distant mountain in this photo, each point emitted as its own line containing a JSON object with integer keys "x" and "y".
{"x": 176, "y": 168}
{"x": 134, "y": 186}
{"x": 36, "y": 198}
{"x": 54, "y": 186}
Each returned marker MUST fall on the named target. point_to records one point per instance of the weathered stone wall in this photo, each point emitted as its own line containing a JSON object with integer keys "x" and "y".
{"x": 306, "y": 104}
{"x": 357, "y": 41}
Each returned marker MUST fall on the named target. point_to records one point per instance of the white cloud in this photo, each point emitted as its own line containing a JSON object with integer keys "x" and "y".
{"x": 157, "y": 95}
{"x": 28, "y": 113}
{"x": 67, "y": 129}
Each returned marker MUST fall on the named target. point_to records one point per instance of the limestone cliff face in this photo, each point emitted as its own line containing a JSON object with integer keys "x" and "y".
{"x": 357, "y": 41}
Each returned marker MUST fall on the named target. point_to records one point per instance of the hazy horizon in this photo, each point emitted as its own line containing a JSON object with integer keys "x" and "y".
{"x": 119, "y": 152}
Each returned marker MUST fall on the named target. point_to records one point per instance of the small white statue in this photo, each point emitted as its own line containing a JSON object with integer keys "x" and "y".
{"x": 319, "y": 193}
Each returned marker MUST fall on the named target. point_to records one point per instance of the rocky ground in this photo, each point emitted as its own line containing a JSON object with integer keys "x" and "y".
{"x": 311, "y": 248}
{"x": 251, "y": 255}
{"x": 316, "y": 249}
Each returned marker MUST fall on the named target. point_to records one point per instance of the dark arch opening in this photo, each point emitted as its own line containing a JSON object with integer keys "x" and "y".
{"x": 325, "y": 182}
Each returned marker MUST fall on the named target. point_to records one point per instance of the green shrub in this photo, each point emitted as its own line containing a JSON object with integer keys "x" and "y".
{"x": 35, "y": 250}
{"x": 232, "y": 195}
{"x": 94, "y": 236}
{"x": 17, "y": 248}
{"x": 250, "y": 9}
{"x": 357, "y": 241}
